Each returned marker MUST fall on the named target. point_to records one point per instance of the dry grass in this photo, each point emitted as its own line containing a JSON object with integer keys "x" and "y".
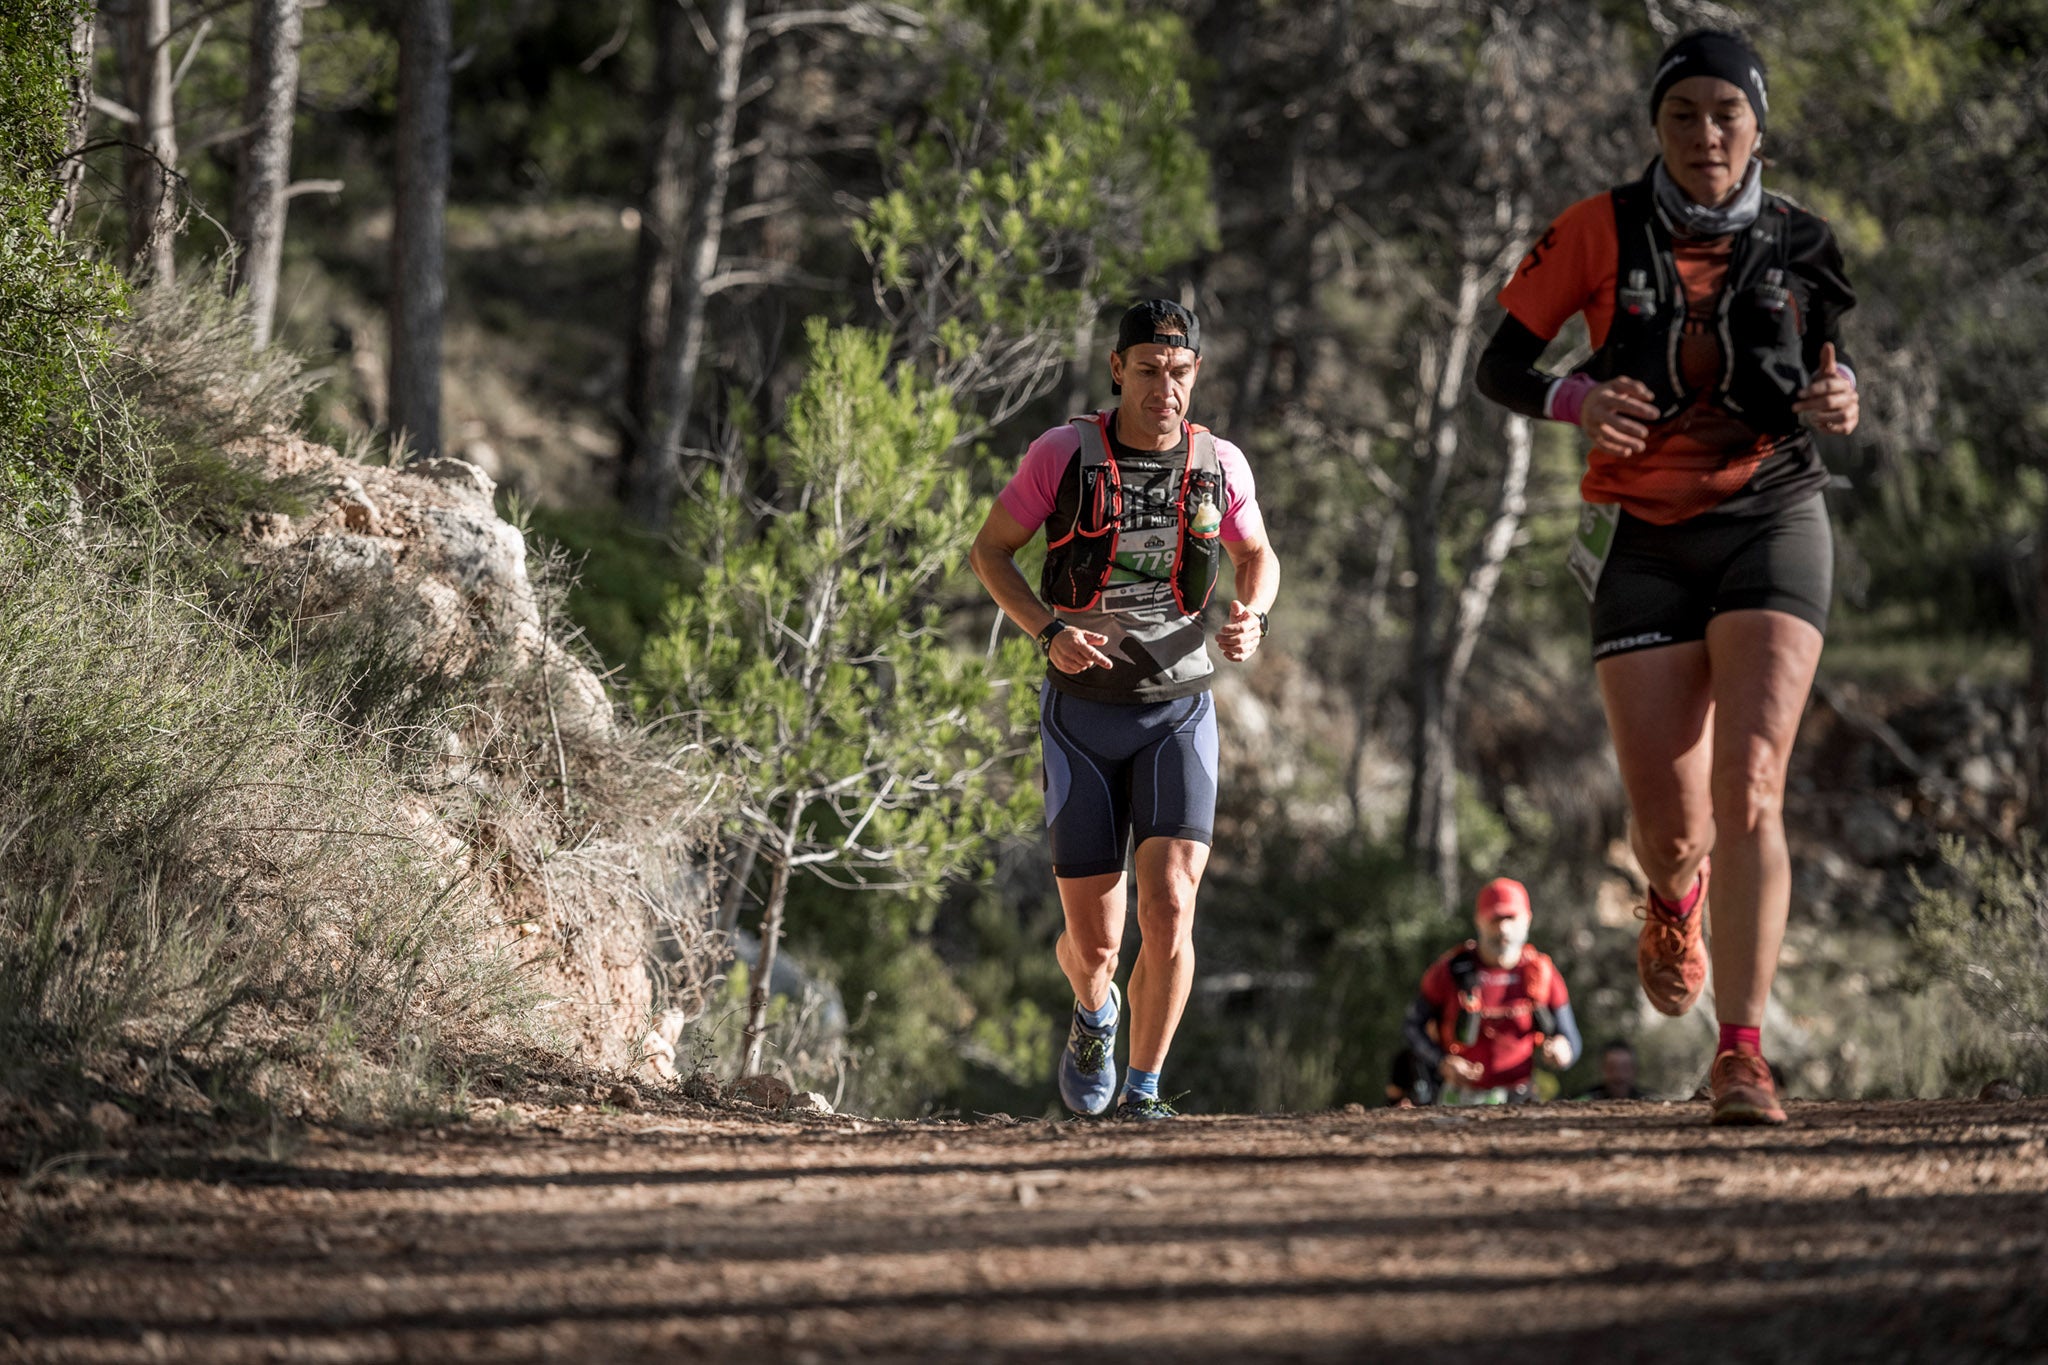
{"x": 252, "y": 863}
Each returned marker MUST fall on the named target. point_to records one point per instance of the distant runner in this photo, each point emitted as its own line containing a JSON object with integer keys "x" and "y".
{"x": 1703, "y": 543}
{"x": 1139, "y": 508}
{"x": 1490, "y": 1008}
{"x": 1617, "y": 1075}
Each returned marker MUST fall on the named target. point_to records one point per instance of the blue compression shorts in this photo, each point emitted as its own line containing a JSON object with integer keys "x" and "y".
{"x": 1112, "y": 770}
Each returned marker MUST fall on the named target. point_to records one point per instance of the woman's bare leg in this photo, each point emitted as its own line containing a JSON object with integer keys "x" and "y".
{"x": 1763, "y": 667}
{"x": 1660, "y": 713}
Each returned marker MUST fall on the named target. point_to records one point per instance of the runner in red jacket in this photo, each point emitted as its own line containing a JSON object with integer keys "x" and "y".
{"x": 1496, "y": 1004}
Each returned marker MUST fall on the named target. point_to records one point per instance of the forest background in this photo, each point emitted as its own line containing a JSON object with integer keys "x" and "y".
{"x": 749, "y": 307}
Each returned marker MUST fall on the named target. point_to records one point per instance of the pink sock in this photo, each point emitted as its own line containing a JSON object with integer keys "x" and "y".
{"x": 1742, "y": 1038}
{"x": 1684, "y": 907}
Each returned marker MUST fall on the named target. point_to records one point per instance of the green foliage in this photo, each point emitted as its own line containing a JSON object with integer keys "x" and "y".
{"x": 1057, "y": 168}
{"x": 624, "y": 576}
{"x": 1984, "y": 929}
{"x": 813, "y": 653}
{"x": 867, "y": 747}
{"x": 53, "y": 303}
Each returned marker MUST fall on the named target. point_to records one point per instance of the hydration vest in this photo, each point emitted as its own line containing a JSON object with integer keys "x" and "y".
{"x": 1757, "y": 316}
{"x": 1537, "y": 971}
{"x": 1081, "y": 535}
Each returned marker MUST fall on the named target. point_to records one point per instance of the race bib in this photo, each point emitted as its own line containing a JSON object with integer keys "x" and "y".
{"x": 1592, "y": 543}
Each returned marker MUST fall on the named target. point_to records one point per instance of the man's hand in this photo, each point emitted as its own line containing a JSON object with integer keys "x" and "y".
{"x": 1557, "y": 1052}
{"x": 1075, "y": 650}
{"x": 1240, "y": 638}
{"x": 1462, "y": 1069}
{"x": 1614, "y": 414}
{"x": 1829, "y": 403}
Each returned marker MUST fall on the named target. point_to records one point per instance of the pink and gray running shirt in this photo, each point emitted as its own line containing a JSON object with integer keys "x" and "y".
{"x": 1159, "y": 654}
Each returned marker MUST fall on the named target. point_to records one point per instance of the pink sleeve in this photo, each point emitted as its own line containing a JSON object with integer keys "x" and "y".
{"x": 1033, "y": 489}
{"x": 1241, "y": 517}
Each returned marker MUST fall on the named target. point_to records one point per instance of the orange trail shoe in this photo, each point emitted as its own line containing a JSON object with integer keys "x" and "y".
{"x": 1671, "y": 961}
{"x": 1743, "y": 1091}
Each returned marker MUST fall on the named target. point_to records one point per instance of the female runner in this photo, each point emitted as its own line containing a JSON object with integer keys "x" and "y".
{"x": 1714, "y": 309}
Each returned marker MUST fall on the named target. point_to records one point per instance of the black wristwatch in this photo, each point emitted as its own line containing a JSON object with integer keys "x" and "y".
{"x": 1264, "y": 629}
{"x": 1049, "y": 634}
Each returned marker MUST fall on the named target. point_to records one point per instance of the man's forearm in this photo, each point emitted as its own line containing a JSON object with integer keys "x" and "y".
{"x": 1258, "y": 579}
{"x": 1006, "y": 584}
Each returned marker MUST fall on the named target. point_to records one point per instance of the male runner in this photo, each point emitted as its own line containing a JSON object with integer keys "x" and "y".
{"x": 1494, "y": 1001}
{"x": 1136, "y": 503}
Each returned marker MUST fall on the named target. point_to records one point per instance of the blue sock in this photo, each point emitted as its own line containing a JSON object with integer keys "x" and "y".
{"x": 1138, "y": 1083}
{"x": 1098, "y": 1019}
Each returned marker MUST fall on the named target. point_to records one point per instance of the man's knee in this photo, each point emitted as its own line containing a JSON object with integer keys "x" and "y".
{"x": 1168, "y": 915}
{"x": 1094, "y": 958}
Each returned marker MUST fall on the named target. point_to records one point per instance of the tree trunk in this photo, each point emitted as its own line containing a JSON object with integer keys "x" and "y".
{"x": 665, "y": 193}
{"x": 2037, "y": 685}
{"x": 1475, "y": 599}
{"x": 657, "y": 475}
{"x": 1430, "y": 833}
{"x": 71, "y": 174}
{"x": 771, "y": 935}
{"x": 266, "y": 158}
{"x": 418, "y": 286}
{"x": 736, "y": 888}
{"x": 151, "y": 159}
{"x": 1365, "y": 681}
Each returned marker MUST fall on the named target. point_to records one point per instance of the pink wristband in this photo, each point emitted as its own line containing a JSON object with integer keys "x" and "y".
{"x": 1568, "y": 396}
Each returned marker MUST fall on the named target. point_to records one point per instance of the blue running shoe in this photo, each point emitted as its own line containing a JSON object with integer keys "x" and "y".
{"x": 1087, "y": 1067}
{"x": 1144, "y": 1109}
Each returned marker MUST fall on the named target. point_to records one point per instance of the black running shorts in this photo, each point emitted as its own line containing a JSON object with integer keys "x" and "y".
{"x": 1112, "y": 770}
{"x": 1662, "y": 584}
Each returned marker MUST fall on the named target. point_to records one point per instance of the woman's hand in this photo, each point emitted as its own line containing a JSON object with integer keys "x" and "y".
{"x": 1829, "y": 402}
{"x": 1615, "y": 414}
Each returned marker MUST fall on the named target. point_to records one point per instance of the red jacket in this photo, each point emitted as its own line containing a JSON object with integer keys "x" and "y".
{"x": 1504, "y": 1000}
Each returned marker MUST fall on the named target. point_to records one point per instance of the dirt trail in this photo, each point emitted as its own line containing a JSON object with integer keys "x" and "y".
{"x": 1910, "y": 1232}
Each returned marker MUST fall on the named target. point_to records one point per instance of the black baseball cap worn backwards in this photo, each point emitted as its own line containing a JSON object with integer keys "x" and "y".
{"x": 1160, "y": 321}
{"x": 1712, "y": 52}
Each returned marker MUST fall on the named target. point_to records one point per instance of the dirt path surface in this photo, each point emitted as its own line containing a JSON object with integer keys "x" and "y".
{"x": 1910, "y": 1232}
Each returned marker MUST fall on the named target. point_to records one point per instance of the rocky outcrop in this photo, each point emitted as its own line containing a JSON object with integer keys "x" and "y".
{"x": 419, "y": 559}
{"x": 425, "y": 544}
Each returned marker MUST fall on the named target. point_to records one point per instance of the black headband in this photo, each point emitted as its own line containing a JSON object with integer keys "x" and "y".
{"x": 1711, "y": 52}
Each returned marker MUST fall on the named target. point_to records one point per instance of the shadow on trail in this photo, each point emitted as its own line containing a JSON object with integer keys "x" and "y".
{"x": 1993, "y": 1276}
{"x": 1473, "y": 1147}
{"x": 503, "y": 1243}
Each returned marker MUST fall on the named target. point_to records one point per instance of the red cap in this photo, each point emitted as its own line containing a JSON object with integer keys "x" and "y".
{"x": 1502, "y": 898}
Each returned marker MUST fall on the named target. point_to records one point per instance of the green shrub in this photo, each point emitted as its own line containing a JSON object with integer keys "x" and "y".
{"x": 197, "y": 869}
{"x": 1984, "y": 930}
{"x": 54, "y": 303}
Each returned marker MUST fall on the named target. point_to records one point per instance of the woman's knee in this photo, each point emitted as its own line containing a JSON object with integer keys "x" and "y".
{"x": 1750, "y": 791}
{"x": 1671, "y": 845}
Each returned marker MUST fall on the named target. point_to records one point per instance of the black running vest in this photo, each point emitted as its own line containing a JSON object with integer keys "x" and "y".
{"x": 1760, "y": 316}
{"x": 1081, "y": 534}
